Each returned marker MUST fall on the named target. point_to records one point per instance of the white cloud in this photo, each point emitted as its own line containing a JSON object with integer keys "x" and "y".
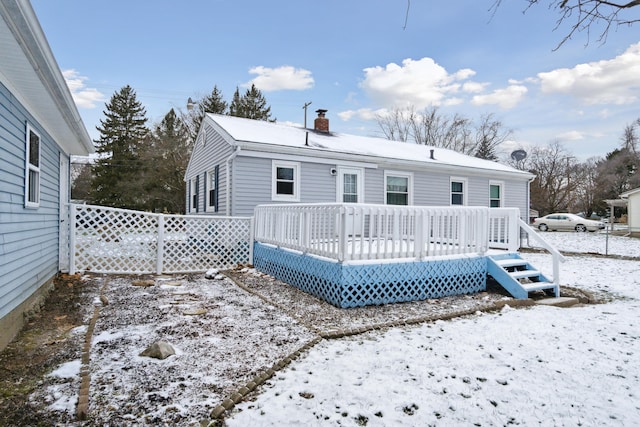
{"x": 281, "y": 78}
{"x": 613, "y": 81}
{"x": 573, "y": 135}
{"x": 419, "y": 83}
{"x": 474, "y": 87}
{"x": 84, "y": 97}
{"x": 362, "y": 113}
{"x": 505, "y": 98}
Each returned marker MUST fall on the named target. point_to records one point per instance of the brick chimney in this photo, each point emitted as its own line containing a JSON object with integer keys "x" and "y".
{"x": 321, "y": 123}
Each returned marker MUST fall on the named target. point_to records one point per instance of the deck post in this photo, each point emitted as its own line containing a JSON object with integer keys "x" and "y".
{"x": 343, "y": 239}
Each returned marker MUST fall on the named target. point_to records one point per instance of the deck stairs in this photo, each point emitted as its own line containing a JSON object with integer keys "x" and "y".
{"x": 519, "y": 277}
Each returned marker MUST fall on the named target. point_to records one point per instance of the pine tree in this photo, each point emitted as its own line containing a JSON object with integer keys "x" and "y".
{"x": 214, "y": 103}
{"x": 486, "y": 150}
{"x": 254, "y": 105}
{"x": 167, "y": 155}
{"x": 122, "y": 136}
{"x": 235, "y": 108}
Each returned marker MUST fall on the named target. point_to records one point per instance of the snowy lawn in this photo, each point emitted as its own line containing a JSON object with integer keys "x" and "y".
{"x": 536, "y": 366}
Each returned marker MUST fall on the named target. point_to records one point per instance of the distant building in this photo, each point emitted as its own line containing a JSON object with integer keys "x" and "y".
{"x": 633, "y": 210}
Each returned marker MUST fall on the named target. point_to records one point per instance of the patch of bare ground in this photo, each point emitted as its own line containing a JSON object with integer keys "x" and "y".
{"x": 46, "y": 341}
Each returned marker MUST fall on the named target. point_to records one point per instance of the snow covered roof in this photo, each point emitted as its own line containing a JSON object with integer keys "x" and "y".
{"x": 249, "y": 132}
{"x": 630, "y": 193}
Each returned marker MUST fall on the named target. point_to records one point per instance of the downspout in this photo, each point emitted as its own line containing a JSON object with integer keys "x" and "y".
{"x": 228, "y": 173}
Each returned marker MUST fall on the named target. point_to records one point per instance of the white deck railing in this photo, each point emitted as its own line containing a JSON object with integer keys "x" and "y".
{"x": 352, "y": 232}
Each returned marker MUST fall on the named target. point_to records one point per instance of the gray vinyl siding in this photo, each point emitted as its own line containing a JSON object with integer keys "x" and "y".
{"x": 430, "y": 189}
{"x": 515, "y": 196}
{"x": 317, "y": 185}
{"x": 478, "y": 191}
{"x": 374, "y": 186}
{"x": 252, "y": 184}
{"x": 203, "y": 160}
{"x": 29, "y": 237}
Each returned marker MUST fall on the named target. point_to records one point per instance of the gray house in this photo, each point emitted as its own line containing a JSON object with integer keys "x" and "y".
{"x": 40, "y": 128}
{"x": 239, "y": 163}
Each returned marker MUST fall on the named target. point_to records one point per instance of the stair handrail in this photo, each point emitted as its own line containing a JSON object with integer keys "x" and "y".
{"x": 557, "y": 257}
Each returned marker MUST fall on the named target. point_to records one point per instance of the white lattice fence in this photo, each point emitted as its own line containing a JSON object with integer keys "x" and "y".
{"x": 109, "y": 240}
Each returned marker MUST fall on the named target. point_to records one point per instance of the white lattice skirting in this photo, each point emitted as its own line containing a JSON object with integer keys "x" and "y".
{"x": 356, "y": 285}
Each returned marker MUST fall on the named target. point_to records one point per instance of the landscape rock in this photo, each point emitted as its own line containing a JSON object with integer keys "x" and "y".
{"x": 211, "y": 274}
{"x": 143, "y": 283}
{"x": 159, "y": 350}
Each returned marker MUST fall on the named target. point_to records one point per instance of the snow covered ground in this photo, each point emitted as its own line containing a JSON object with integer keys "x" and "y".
{"x": 536, "y": 366}
{"x": 526, "y": 366}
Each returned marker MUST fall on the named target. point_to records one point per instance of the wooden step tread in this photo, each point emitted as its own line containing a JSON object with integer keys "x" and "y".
{"x": 524, "y": 273}
{"x": 537, "y": 286}
{"x": 510, "y": 262}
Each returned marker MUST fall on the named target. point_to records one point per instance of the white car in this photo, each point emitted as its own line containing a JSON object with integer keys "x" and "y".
{"x": 566, "y": 222}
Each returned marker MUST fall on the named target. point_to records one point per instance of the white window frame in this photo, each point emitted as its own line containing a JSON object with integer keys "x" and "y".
{"x": 30, "y": 168}
{"x": 501, "y": 199}
{"x": 193, "y": 191}
{"x": 465, "y": 189}
{"x": 409, "y": 176}
{"x": 359, "y": 172}
{"x": 210, "y": 184}
{"x": 295, "y": 197}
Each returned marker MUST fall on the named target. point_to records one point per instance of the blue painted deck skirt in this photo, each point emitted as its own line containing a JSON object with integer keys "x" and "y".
{"x": 348, "y": 285}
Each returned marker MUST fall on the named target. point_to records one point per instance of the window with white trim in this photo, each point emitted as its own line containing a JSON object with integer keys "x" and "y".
{"x": 495, "y": 194}
{"x": 398, "y": 189}
{"x": 212, "y": 178}
{"x": 193, "y": 194}
{"x": 458, "y": 191}
{"x": 285, "y": 185}
{"x": 32, "y": 169}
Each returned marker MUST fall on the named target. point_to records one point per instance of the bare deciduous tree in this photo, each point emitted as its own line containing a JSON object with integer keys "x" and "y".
{"x": 555, "y": 169}
{"x": 437, "y": 130}
{"x": 583, "y": 15}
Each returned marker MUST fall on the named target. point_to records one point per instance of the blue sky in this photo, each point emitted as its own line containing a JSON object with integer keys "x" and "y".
{"x": 355, "y": 58}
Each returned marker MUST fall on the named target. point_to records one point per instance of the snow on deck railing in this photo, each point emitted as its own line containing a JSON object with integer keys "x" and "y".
{"x": 352, "y": 232}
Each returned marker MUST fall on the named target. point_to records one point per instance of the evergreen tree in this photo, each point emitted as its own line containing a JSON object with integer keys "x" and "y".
{"x": 486, "y": 150}
{"x": 117, "y": 171}
{"x": 167, "y": 155}
{"x": 80, "y": 181}
{"x": 235, "y": 108}
{"x": 254, "y": 105}
{"x": 212, "y": 103}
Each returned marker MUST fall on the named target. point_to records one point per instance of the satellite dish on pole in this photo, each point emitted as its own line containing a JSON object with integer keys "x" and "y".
{"x": 519, "y": 155}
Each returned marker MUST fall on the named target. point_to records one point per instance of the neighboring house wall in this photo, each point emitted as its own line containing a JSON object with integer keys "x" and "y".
{"x": 29, "y": 236}
{"x": 34, "y": 100}
{"x": 633, "y": 212}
